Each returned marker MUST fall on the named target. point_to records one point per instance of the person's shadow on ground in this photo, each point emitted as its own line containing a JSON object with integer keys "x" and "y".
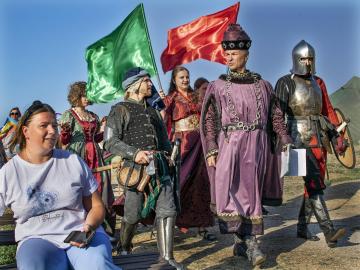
{"x": 284, "y": 240}
{"x": 281, "y": 239}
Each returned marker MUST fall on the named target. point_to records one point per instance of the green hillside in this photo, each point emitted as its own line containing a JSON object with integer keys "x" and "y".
{"x": 347, "y": 99}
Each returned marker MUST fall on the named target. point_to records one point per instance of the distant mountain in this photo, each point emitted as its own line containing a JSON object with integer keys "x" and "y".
{"x": 347, "y": 99}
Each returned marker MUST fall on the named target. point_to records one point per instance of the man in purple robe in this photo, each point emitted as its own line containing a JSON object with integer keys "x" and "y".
{"x": 239, "y": 114}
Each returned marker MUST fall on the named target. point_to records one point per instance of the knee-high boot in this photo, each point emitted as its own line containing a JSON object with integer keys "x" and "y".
{"x": 304, "y": 218}
{"x": 254, "y": 254}
{"x": 165, "y": 240}
{"x": 127, "y": 232}
{"x": 322, "y": 215}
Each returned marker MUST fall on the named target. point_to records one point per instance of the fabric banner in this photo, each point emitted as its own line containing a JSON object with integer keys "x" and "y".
{"x": 200, "y": 38}
{"x": 109, "y": 58}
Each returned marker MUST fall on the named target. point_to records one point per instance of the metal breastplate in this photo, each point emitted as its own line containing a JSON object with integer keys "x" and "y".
{"x": 306, "y": 105}
{"x": 141, "y": 130}
{"x": 307, "y": 98}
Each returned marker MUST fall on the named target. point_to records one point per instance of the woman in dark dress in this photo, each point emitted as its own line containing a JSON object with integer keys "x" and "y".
{"x": 182, "y": 117}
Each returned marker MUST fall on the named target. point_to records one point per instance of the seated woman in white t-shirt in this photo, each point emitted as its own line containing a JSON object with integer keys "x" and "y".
{"x": 52, "y": 193}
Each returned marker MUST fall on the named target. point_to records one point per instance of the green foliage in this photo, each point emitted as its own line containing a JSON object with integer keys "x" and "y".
{"x": 7, "y": 254}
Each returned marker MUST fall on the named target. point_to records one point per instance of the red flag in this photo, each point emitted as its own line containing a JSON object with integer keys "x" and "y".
{"x": 200, "y": 38}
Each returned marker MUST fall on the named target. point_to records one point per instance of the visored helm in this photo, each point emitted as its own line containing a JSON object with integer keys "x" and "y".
{"x": 300, "y": 51}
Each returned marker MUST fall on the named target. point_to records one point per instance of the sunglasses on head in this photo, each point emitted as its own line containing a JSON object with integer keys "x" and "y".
{"x": 14, "y": 113}
{"x": 34, "y": 107}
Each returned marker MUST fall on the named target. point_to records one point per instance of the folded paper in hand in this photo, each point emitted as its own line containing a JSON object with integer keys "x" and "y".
{"x": 293, "y": 162}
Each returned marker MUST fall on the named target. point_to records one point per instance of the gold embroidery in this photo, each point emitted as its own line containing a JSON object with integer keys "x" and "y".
{"x": 187, "y": 124}
{"x": 237, "y": 217}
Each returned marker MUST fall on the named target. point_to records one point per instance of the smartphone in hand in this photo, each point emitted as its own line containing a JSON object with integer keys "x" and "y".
{"x": 80, "y": 237}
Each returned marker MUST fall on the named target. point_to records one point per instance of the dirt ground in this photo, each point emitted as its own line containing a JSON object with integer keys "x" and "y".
{"x": 283, "y": 249}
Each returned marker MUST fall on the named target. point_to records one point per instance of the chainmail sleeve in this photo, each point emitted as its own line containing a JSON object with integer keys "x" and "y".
{"x": 117, "y": 121}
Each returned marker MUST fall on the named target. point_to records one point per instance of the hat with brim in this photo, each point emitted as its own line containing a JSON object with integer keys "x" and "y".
{"x": 132, "y": 76}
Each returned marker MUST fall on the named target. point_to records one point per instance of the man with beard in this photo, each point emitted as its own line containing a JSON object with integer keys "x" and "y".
{"x": 135, "y": 131}
{"x": 311, "y": 122}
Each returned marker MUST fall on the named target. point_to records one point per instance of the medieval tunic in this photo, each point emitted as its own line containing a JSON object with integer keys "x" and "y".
{"x": 245, "y": 168}
{"x": 137, "y": 127}
{"x": 183, "y": 118}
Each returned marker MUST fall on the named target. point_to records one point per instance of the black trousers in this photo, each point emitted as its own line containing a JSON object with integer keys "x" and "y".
{"x": 165, "y": 204}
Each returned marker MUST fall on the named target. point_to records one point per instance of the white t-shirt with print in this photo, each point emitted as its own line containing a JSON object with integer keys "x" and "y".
{"x": 46, "y": 198}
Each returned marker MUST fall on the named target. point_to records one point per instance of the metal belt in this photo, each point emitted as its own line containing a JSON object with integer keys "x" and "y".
{"x": 241, "y": 126}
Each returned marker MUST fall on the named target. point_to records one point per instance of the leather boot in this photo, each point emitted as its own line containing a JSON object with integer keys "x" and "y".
{"x": 127, "y": 232}
{"x": 239, "y": 248}
{"x": 304, "y": 218}
{"x": 322, "y": 215}
{"x": 165, "y": 240}
{"x": 254, "y": 254}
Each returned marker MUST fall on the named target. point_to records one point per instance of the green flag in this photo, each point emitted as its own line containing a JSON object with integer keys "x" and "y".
{"x": 109, "y": 58}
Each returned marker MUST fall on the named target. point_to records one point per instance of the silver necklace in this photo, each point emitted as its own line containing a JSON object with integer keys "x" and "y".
{"x": 230, "y": 106}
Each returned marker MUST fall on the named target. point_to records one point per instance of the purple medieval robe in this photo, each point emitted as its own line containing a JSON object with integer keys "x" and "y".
{"x": 246, "y": 174}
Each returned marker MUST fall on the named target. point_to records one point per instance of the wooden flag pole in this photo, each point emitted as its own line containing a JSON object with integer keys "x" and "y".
{"x": 151, "y": 49}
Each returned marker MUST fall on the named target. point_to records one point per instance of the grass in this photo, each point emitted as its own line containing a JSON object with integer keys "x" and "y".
{"x": 7, "y": 254}
{"x": 338, "y": 173}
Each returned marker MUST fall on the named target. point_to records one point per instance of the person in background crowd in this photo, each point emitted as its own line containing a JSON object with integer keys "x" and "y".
{"x": 7, "y": 132}
{"x": 182, "y": 117}
{"x": 80, "y": 134}
{"x": 3, "y": 158}
{"x": 200, "y": 86}
{"x": 52, "y": 193}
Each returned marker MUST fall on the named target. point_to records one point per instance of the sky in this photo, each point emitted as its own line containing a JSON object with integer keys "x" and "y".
{"x": 43, "y": 43}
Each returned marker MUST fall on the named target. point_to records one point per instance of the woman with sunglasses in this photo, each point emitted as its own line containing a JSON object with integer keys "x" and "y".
{"x": 52, "y": 193}
{"x": 7, "y": 132}
{"x": 80, "y": 134}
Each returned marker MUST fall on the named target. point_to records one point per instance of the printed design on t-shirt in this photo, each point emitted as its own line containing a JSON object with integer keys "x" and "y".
{"x": 41, "y": 201}
{"x": 50, "y": 217}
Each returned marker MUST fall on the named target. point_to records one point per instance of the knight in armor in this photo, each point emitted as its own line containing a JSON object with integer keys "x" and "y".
{"x": 239, "y": 113}
{"x": 311, "y": 122}
{"x": 135, "y": 131}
